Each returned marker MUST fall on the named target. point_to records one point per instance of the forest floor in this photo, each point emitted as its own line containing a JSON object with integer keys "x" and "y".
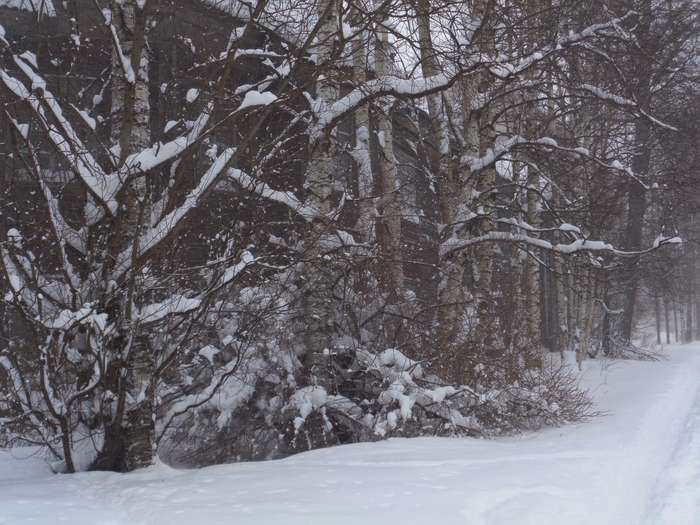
{"x": 637, "y": 465}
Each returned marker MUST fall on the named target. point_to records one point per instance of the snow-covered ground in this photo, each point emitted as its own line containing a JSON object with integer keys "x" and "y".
{"x": 639, "y": 464}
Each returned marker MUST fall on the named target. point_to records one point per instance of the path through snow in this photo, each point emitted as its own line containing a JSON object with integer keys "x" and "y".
{"x": 640, "y": 464}
{"x": 675, "y": 499}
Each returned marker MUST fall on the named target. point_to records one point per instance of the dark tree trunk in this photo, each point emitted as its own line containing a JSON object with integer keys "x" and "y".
{"x": 657, "y": 314}
{"x": 696, "y": 304}
{"x": 636, "y": 192}
{"x": 675, "y": 319}
{"x": 688, "y": 336}
{"x": 668, "y": 324}
{"x": 636, "y": 196}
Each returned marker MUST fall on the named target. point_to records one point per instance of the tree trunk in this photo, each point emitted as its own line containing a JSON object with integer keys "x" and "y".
{"x": 481, "y": 139}
{"x": 450, "y": 298}
{"x": 318, "y": 302}
{"x": 531, "y": 292}
{"x": 688, "y": 336}
{"x": 570, "y": 310}
{"x": 589, "y": 305}
{"x": 696, "y": 304}
{"x": 675, "y": 319}
{"x": 667, "y": 321}
{"x": 366, "y": 211}
{"x": 390, "y": 210}
{"x": 657, "y": 313}
{"x": 129, "y": 441}
{"x": 636, "y": 193}
{"x": 606, "y": 335}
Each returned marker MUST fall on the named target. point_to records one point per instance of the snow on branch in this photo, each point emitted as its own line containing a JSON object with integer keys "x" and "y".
{"x": 454, "y": 244}
{"x": 383, "y": 86}
{"x": 65, "y": 140}
{"x": 27, "y": 285}
{"x": 504, "y": 70}
{"x": 287, "y": 198}
{"x": 65, "y": 234}
{"x": 124, "y": 61}
{"x": 150, "y": 158}
{"x": 157, "y": 233}
{"x": 623, "y": 102}
{"x": 180, "y": 305}
{"x": 158, "y": 154}
{"x": 419, "y": 87}
{"x": 173, "y": 305}
{"x": 505, "y": 146}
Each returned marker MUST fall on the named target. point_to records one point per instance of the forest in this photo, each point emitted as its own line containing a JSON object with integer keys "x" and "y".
{"x": 236, "y": 230}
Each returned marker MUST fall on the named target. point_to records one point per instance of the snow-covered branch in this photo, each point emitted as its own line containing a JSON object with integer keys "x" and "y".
{"x": 580, "y": 245}
{"x": 65, "y": 140}
{"x": 260, "y": 188}
{"x": 623, "y": 102}
{"x": 154, "y": 235}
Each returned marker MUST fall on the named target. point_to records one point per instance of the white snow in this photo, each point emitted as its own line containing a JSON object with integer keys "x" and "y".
{"x": 209, "y": 352}
{"x": 638, "y": 464}
{"x": 170, "y": 125}
{"x": 176, "y": 304}
{"x": 30, "y": 57}
{"x": 91, "y": 122}
{"x": 192, "y": 95}
{"x": 254, "y": 98}
{"x": 306, "y": 400}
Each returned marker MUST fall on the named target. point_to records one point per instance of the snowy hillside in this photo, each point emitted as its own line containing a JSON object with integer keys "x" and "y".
{"x": 636, "y": 464}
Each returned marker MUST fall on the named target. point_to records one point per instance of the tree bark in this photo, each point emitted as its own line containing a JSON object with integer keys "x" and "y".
{"x": 365, "y": 224}
{"x": 450, "y": 299}
{"x": 317, "y": 300}
{"x": 636, "y": 193}
{"x": 657, "y": 314}
{"x": 129, "y": 441}
{"x": 667, "y": 321}
{"x": 675, "y": 319}
{"x": 390, "y": 210}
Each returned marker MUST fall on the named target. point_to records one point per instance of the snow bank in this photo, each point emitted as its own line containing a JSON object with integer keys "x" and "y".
{"x": 637, "y": 462}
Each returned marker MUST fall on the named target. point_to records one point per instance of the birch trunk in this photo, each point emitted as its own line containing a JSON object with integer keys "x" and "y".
{"x": 361, "y": 152}
{"x": 129, "y": 441}
{"x": 531, "y": 295}
{"x": 538, "y": 13}
{"x": 318, "y": 303}
{"x": 390, "y": 209}
{"x": 485, "y": 128}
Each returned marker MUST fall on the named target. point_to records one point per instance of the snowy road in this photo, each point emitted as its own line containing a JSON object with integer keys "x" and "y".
{"x": 639, "y": 465}
{"x": 676, "y": 497}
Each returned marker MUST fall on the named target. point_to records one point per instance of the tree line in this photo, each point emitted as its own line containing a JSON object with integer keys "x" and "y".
{"x": 241, "y": 229}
